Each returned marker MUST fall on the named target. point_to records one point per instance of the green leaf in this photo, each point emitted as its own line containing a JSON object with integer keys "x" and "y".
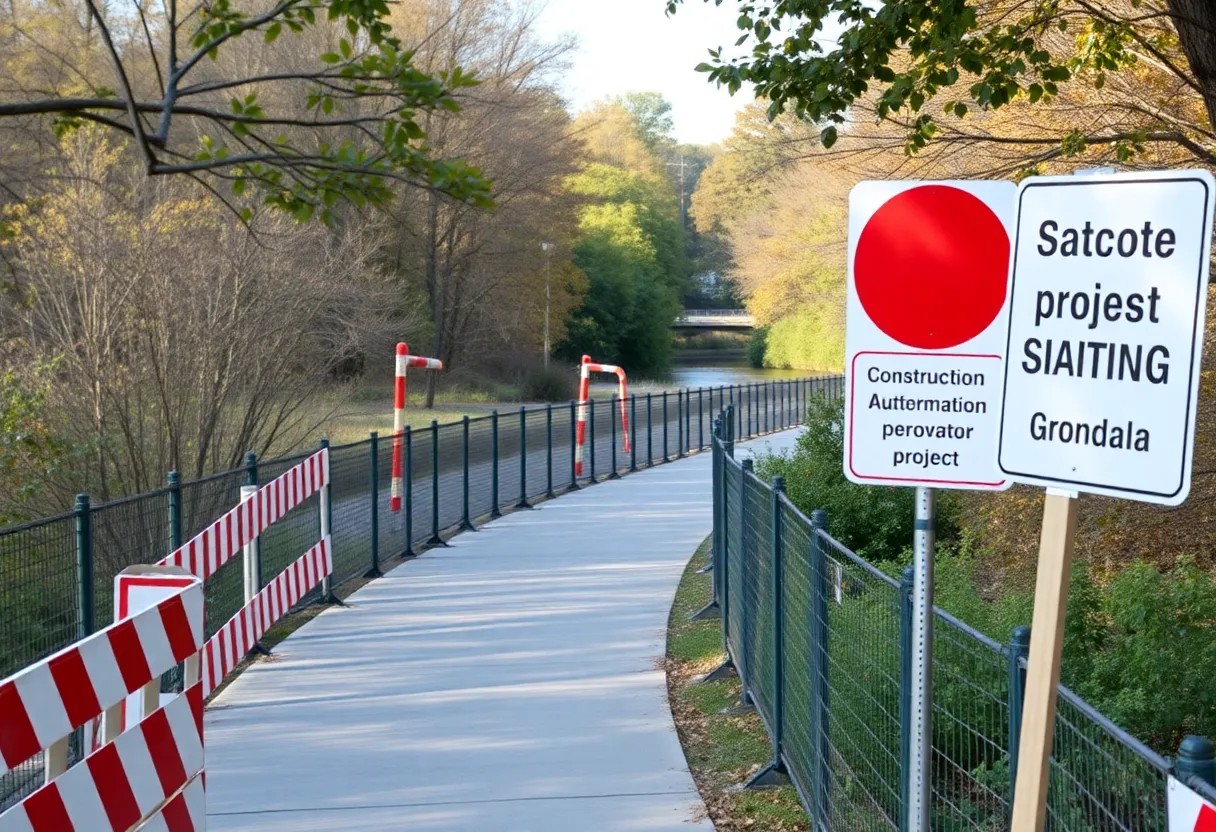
{"x": 960, "y": 109}
{"x": 331, "y": 58}
{"x": 828, "y": 136}
{"x": 246, "y": 214}
{"x": 344, "y": 47}
{"x": 327, "y": 105}
{"x": 238, "y": 187}
{"x": 273, "y": 32}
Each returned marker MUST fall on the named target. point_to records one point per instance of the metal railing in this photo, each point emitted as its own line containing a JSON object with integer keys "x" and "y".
{"x": 822, "y": 642}
{"x": 56, "y": 574}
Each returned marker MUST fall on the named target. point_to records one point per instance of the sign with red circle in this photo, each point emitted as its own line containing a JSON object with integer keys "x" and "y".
{"x": 925, "y": 343}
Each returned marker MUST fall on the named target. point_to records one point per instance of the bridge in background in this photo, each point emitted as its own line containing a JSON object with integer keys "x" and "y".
{"x": 715, "y": 320}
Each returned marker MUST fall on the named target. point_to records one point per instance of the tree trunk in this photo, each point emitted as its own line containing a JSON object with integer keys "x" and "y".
{"x": 436, "y": 287}
{"x": 1195, "y": 21}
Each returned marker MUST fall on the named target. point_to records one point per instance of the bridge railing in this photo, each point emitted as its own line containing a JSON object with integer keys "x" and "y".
{"x": 822, "y": 641}
{"x": 57, "y": 573}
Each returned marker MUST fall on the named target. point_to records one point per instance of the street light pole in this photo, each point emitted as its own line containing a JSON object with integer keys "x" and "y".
{"x": 548, "y": 249}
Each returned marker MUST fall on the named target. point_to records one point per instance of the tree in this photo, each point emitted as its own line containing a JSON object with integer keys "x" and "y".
{"x": 631, "y": 246}
{"x": 483, "y": 272}
{"x": 328, "y": 106}
{"x": 174, "y": 338}
{"x": 913, "y": 59}
{"x": 651, "y": 115}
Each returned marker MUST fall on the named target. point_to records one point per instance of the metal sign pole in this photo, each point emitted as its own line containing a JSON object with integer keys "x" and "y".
{"x": 921, "y": 755}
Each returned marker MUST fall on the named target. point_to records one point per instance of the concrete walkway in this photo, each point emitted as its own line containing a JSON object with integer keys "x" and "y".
{"x": 508, "y": 683}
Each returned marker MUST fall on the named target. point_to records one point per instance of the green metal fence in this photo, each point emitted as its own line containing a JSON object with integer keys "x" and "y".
{"x": 57, "y": 574}
{"x": 822, "y": 642}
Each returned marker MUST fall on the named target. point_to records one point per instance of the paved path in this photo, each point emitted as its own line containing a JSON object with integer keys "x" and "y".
{"x": 508, "y": 683}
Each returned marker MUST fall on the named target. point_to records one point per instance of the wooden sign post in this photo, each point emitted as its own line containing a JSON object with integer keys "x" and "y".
{"x": 1107, "y": 306}
{"x": 1043, "y": 667}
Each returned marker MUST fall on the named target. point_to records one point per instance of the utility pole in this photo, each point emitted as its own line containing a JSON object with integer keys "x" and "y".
{"x": 547, "y": 248}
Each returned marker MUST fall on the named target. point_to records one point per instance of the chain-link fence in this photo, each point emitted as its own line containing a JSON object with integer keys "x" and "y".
{"x": 822, "y": 642}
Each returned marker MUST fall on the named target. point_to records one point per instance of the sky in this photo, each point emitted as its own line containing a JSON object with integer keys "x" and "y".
{"x": 632, "y": 46}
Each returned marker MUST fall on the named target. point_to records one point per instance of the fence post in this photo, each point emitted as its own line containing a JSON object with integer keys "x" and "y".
{"x": 85, "y": 621}
{"x": 701, "y": 418}
{"x": 466, "y": 521}
{"x": 649, "y": 432}
{"x": 679, "y": 423}
{"x": 905, "y": 690}
{"x": 175, "y": 511}
{"x": 633, "y": 432}
{"x": 573, "y": 444}
{"x": 251, "y": 468}
{"x": 591, "y": 437}
{"x": 494, "y": 512}
{"x": 750, "y": 395}
{"x": 374, "y": 489}
{"x": 722, "y": 546}
{"x": 687, "y": 420}
{"x": 250, "y": 556}
{"x": 745, "y": 630}
{"x": 1196, "y": 759}
{"x": 408, "y": 475}
{"x": 1019, "y": 649}
{"x": 325, "y": 510}
{"x": 523, "y": 458}
{"x": 616, "y": 403}
{"x": 819, "y": 664}
{"x": 549, "y": 451}
{"x": 435, "y": 540}
{"x": 729, "y": 428}
{"x": 774, "y": 774}
{"x": 665, "y": 456}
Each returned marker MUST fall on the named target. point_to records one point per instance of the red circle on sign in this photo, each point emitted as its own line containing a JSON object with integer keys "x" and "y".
{"x": 931, "y": 267}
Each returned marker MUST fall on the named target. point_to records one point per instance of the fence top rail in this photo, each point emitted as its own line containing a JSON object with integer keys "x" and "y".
{"x": 853, "y": 558}
{"x": 1204, "y": 788}
{"x": 28, "y": 525}
{"x": 295, "y": 458}
{"x": 130, "y": 498}
{"x": 1157, "y": 761}
{"x": 968, "y": 630}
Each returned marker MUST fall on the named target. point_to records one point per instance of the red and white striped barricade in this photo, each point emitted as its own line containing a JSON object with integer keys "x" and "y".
{"x": 404, "y": 362}
{"x": 586, "y": 368}
{"x": 216, "y": 545}
{"x": 148, "y": 776}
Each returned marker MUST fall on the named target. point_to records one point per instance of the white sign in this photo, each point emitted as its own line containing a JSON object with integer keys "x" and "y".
{"x": 1188, "y": 812}
{"x": 925, "y": 340}
{"x": 135, "y": 589}
{"x": 1108, "y": 294}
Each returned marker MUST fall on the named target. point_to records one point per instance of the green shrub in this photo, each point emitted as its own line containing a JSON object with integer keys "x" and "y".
{"x": 1138, "y": 649}
{"x": 548, "y": 385}
{"x": 756, "y": 347}
{"x": 873, "y": 521}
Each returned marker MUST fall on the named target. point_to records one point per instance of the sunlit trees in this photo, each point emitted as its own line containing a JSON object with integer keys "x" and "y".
{"x": 631, "y": 246}
{"x": 482, "y": 273}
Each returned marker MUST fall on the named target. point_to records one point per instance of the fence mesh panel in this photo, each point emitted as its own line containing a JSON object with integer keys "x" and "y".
{"x": 970, "y": 788}
{"x": 38, "y": 613}
{"x": 756, "y": 588}
{"x": 125, "y": 533}
{"x": 1102, "y": 779}
{"x": 863, "y": 639}
{"x": 846, "y": 680}
{"x": 799, "y": 729}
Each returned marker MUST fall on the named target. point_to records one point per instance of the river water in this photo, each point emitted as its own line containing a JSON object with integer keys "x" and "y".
{"x": 707, "y": 370}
